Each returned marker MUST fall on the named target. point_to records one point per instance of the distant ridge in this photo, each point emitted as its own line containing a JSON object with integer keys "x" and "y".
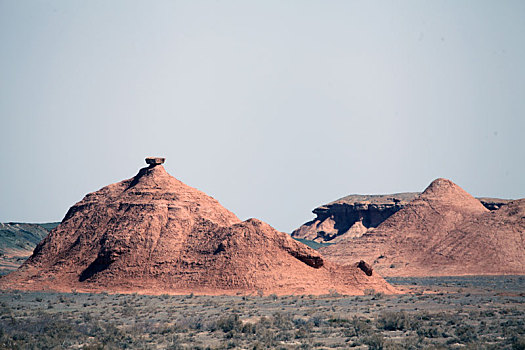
{"x": 17, "y": 241}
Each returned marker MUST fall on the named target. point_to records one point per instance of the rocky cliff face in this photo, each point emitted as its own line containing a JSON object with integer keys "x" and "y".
{"x": 154, "y": 234}
{"x": 444, "y": 231}
{"x": 351, "y": 216}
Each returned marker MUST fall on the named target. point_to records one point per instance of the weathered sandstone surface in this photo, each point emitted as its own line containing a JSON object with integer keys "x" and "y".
{"x": 351, "y": 216}
{"x": 444, "y": 231}
{"x": 154, "y": 234}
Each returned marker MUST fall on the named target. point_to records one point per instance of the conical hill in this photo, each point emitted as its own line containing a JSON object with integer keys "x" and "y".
{"x": 154, "y": 234}
{"x": 444, "y": 231}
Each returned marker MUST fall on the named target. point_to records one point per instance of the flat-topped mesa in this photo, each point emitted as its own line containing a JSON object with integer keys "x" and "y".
{"x": 444, "y": 231}
{"x": 154, "y": 161}
{"x": 351, "y": 216}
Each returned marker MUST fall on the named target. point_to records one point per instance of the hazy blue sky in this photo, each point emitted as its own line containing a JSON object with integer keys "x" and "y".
{"x": 271, "y": 107}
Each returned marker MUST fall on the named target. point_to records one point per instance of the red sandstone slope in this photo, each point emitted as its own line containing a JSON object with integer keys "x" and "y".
{"x": 154, "y": 234}
{"x": 445, "y": 231}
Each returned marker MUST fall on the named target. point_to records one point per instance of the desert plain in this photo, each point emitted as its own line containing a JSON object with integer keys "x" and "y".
{"x": 151, "y": 263}
{"x": 436, "y": 313}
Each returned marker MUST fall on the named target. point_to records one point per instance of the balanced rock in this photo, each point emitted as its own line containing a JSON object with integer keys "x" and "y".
{"x": 444, "y": 231}
{"x": 154, "y": 234}
{"x": 155, "y": 161}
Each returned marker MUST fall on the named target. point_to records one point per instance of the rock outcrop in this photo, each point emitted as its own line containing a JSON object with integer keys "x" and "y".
{"x": 351, "y": 216}
{"x": 444, "y": 231}
{"x": 152, "y": 161}
{"x": 154, "y": 234}
{"x": 363, "y": 265}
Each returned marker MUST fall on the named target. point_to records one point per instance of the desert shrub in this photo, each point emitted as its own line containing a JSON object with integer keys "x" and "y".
{"x": 232, "y": 344}
{"x": 284, "y": 336}
{"x": 264, "y": 322}
{"x": 391, "y": 345}
{"x": 282, "y": 321}
{"x": 517, "y": 342}
{"x": 47, "y": 332}
{"x": 378, "y": 295}
{"x": 411, "y": 343}
{"x": 466, "y": 333}
{"x": 358, "y": 327}
{"x": 229, "y": 323}
{"x": 128, "y": 311}
{"x": 248, "y": 328}
{"x": 257, "y": 346}
{"x": 393, "y": 321}
{"x": 513, "y": 325}
{"x": 264, "y": 336}
{"x": 301, "y": 333}
{"x": 452, "y": 319}
{"x": 192, "y": 322}
{"x": 337, "y": 321}
{"x": 94, "y": 346}
{"x": 299, "y": 322}
{"x": 431, "y": 332}
{"x": 374, "y": 341}
{"x": 316, "y": 320}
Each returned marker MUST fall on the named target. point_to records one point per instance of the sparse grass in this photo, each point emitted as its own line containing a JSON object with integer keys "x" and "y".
{"x": 472, "y": 319}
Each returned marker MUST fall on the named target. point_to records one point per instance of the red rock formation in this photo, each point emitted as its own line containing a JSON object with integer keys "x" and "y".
{"x": 365, "y": 267}
{"x": 445, "y": 231}
{"x": 154, "y": 234}
{"x": 351, "y": 216}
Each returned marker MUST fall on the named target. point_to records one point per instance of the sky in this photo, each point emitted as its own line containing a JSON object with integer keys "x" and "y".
{"x": 271, "y": 107}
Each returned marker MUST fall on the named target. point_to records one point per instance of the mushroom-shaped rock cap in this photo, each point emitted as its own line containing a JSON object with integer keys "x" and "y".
{"x": 155, "y": 160}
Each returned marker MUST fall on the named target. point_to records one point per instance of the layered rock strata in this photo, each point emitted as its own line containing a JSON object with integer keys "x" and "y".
{"x": 154, "y": 234}
{"x": 351, "y": 216}
{"x": 444, "y": 231}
